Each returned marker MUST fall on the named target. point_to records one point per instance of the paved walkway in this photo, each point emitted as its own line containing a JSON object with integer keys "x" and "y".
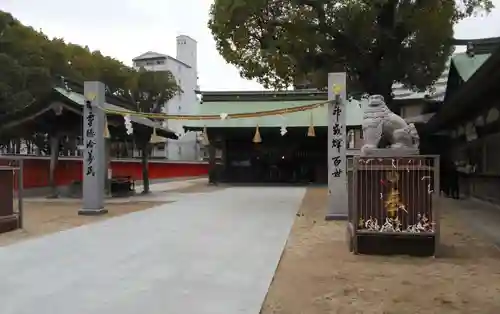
{"x": 483, "y": 217}
{"x": 210, "y": 253}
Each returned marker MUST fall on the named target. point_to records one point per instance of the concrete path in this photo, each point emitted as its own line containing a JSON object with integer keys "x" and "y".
{"x": 210, "y": 253}
{"x": 483, "y": 217}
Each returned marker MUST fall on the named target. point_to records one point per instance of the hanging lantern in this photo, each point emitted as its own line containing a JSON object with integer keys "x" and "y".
{"x": 204, "y": 140}
{"x": 155, "y": 139}
{"x": 106, "y": 129}
{"x": 310, "y": 130}
{"x": 256, "y": 137}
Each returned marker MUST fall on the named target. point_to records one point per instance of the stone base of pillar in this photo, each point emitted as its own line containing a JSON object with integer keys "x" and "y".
{"x": 9, "y": 223}
{"x": 92, "y": 212}
{"x": 336, "y": 217}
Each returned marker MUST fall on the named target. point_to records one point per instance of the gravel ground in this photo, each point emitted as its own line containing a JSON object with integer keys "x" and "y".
{"x": 317, "y": 274}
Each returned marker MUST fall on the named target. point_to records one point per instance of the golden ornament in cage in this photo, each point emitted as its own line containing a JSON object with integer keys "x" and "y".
{"x": 393, "y": 202}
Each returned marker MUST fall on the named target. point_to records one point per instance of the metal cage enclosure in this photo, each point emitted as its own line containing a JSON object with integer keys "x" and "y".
{"x": 392, "y": 205}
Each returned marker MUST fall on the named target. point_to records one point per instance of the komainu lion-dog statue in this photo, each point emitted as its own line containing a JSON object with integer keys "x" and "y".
{"x": 379, "y": 121}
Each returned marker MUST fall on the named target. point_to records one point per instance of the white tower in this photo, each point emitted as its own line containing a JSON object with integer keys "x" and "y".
{"x": 186, "y": 51}
{"x": 184, "y": 69}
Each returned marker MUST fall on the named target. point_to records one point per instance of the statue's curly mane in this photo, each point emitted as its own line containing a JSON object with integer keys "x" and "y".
{"x": 376, "y": 101}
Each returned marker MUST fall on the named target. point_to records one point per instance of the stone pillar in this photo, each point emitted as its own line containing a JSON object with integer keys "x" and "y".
{"x": 94, "y": 153}
{"x": 54, "y": 157}
{"x": 337, "y": 164}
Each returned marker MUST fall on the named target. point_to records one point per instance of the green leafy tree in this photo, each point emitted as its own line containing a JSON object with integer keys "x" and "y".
{"x": 29, "y": 61}
{"x": 11, "y": 81}
{"x": 34, "y": 51}
{"x": 377, "y": 42}
{"x": 24, "y": 76}
{"x": 149, "y": 91}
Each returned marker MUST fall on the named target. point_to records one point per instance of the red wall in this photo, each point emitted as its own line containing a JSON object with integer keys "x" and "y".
{"x": 36, "y": 170}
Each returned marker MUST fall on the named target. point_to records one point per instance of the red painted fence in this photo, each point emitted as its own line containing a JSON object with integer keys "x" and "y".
{"x": 68, "y": 170}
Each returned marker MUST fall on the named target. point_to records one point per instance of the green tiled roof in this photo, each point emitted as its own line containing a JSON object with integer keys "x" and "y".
{"x": 79, "y": 99}
{"x": 354, "y": 114}
{"x": 466, "y": 66}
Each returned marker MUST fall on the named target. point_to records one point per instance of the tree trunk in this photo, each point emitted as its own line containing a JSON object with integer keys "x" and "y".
{"x": 54, "y": 156}
{"x": 145, "y": 170}
{"x": 212, "y": 166}
{"x": 377, "y": 85}
{"x": 383, "y": 89}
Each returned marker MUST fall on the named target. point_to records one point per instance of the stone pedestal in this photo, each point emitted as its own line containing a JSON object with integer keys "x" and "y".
{"x": 8, "y": 219}
{"x": 391, "y": 152}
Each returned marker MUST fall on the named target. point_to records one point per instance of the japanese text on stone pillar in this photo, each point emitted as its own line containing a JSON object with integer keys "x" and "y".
{"x": 90, "y": 142}
{"x": 337, "y": 138}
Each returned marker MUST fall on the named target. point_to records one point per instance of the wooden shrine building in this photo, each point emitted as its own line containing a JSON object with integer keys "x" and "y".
{"x": 56, "y": 121}
{"x": 59, "y": 115}
{"x": 294, "y": 157}
{"x": 467, "y": 125}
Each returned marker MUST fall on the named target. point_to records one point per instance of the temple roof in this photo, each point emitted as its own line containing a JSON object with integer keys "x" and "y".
{"x": 467, "y": 65}
{"x": 319, "y": 115}
{"x": 74, "y": 101}
{"x": 472, "y": 80}
{"x": 80, "y": 100}
{"x": 480, "y": 45}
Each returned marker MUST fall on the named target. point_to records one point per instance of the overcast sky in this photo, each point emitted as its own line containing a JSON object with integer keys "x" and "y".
{"x": 125, "y": 29}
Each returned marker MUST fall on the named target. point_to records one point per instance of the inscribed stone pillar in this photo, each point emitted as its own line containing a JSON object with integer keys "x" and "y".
{"x": 94, "y": 154}
{"x": 337, "y": 164}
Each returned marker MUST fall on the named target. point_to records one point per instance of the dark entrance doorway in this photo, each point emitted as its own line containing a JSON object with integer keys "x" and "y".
{"x": 293, "y": 158}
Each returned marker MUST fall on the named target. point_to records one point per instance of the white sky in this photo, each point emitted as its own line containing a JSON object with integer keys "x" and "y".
{"x": 125, "y": 29}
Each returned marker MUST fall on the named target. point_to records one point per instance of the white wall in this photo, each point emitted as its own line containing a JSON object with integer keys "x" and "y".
{"x": 187, "y": 51}
{"x": 185, "y": 148}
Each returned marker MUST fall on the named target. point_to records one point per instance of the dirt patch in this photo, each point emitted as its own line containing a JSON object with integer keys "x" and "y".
{"x": 317, "y": 274}
{"x": 41, "y": 218}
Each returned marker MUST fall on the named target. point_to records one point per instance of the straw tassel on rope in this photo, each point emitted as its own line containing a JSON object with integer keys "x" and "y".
{"x": 310, "y": 131}
{"x": 106, "y": 128}
{"x": 204, "y": 139}
{"x": 256, "y": 137}
{"x": 155, "y": 139}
